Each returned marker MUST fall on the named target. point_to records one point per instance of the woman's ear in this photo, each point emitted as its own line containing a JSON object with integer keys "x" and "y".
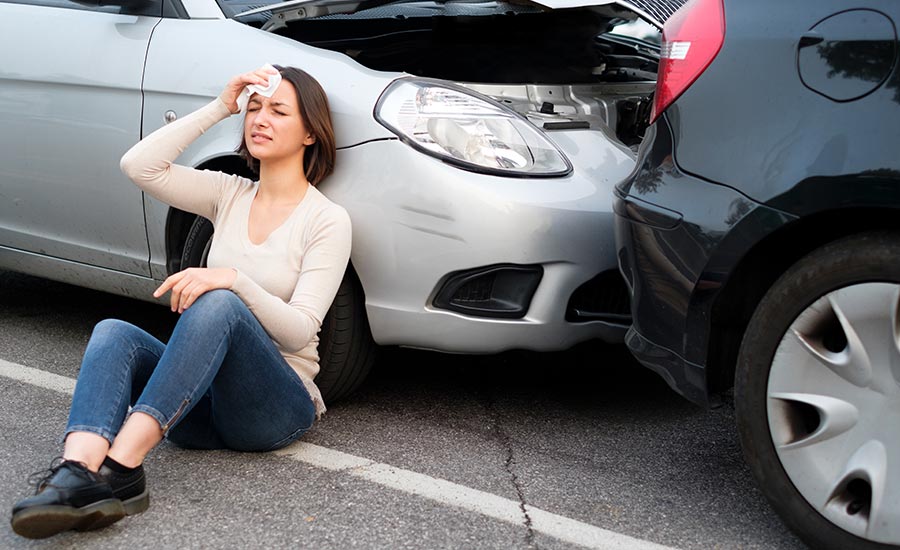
{"x": 310, "y": 139}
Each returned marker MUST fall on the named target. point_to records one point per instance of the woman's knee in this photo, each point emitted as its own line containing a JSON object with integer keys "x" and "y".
{"x": 123, "y": 341}
{"x": 214, "y": 311}
{"x": 218, "y": 301}
{"x": 109, "y": 330}
{"x": 116, "y": 348}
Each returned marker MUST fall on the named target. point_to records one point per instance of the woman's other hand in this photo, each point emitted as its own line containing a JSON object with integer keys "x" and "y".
{"x": 236, "y": 85}
{"x": 190, "y": 284}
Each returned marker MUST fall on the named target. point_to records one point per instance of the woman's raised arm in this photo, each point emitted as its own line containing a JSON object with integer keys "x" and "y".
{"x": 150, "y": 162}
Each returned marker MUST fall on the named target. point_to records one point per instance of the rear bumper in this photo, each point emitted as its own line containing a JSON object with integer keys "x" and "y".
{"x": 682, "y": 376}
{"x": 674, "y": 246}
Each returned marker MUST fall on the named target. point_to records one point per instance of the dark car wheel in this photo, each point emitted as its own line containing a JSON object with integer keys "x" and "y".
{"x": 346, "y": 349}
{"x": 197, "y": 243}
{"x": 817, "y": 394}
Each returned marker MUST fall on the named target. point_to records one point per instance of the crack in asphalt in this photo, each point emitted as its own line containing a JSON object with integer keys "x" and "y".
{"x": 509, "y": 465}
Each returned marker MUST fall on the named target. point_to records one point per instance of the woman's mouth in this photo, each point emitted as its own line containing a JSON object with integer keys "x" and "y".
{"x": 259, "y": 137}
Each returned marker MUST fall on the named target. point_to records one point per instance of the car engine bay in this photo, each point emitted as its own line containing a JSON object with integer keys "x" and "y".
{"x": 561, "y": 68}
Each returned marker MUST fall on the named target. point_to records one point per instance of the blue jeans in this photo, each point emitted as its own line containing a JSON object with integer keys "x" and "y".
{"x": 220, "y": 382}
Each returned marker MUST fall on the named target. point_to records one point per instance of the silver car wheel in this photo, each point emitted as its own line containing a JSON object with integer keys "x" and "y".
{"x": 833, "y": 403}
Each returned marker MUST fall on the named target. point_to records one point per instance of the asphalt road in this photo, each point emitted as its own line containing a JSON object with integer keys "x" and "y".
{"x": 584, "y": 442}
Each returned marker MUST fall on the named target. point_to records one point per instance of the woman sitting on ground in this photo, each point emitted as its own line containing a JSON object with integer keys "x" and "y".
{"x": 237, "y": 372}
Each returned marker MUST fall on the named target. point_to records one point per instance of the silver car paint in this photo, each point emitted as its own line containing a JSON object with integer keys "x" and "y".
{"x": 415, "y": 218}
{"x": 69, "y": 102}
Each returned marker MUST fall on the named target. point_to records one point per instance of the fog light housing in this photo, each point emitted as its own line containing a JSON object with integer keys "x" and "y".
{"x": 497, "y": 291}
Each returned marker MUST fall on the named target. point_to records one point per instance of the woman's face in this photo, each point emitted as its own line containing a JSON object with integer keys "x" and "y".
{"x": 273, "y": 128}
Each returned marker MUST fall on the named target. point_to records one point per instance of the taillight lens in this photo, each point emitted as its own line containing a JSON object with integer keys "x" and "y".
{"x": 691, "y": 38}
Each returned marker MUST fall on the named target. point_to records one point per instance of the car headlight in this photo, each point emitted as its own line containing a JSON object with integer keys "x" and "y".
{"x": 467, "y": 129}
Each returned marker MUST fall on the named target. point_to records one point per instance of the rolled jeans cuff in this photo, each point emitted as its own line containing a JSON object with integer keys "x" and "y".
{"x": 104, "y": 433}
{"x": 164, "y": 423}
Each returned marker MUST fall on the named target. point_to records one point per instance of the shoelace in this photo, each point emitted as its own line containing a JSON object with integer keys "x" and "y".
{"x": 40, "y": 479}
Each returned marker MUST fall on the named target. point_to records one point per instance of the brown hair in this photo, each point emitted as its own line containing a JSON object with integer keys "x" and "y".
{"x": 318, "y": 159}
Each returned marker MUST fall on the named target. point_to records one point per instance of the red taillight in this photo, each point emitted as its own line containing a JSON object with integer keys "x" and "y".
{"x": 691, "y": 38}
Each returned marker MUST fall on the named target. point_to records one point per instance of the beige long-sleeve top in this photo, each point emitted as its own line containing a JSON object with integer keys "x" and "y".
{"x": 289, "y": 280}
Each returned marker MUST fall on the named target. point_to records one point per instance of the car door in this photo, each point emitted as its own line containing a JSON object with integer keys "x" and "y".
{"x": 70, "y": 106}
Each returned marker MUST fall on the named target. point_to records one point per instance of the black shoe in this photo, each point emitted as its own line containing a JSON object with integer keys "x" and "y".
{"x": 68, "y": 496}
{"x": 130, "y": 488}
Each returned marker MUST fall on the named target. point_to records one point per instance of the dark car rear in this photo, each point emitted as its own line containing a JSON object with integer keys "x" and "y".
{"x": 760, "y": 238}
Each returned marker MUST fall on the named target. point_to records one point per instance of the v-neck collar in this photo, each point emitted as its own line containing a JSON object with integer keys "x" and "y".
{"x": 245, "y": 233}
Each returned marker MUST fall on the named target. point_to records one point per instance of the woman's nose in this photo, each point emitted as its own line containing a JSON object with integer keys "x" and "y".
{"x": 261, "y": 119}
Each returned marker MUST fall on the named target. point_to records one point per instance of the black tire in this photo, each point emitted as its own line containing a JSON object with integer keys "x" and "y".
{"x": 346, "y": 349}
{"x": 196, "y": 244}
{"x": 870, "y": 257}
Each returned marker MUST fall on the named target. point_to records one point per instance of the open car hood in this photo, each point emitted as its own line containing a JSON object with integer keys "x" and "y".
{"x": 654, "y": 12}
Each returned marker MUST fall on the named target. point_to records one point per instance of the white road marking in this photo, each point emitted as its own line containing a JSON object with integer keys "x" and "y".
{"x": 438, "y": 490}
{"x": 37, "y": 377}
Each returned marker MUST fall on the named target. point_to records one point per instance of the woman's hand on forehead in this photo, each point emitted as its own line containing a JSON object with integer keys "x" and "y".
{"x": 236, "y": 85}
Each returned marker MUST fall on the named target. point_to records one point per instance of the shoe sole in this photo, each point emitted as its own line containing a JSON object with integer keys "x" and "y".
{"x": 138, "y": 504}
{"x": 40, "y": 522}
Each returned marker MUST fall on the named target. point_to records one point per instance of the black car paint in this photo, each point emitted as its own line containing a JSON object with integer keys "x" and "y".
{"x": 752, "y": 167}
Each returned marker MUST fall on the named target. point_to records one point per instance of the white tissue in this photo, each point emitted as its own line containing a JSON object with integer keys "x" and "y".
{"x": 266, "y": 91}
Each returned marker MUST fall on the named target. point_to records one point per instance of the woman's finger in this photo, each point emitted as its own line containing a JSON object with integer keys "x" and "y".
{"x": 251, "y": 78}
{"x": 189, "y": 297}
{"x": 161, "y": 289}
{"x": 179, "y": 287}
{"x": 168, "y": 284}
{"x": 259, "y": 76}
{"x": 235, "y": 86}
{"x": 188, "y": 285}
{"x": 174, "y": 300}
{"x": 189, "y": 294}
{"x": 182, "y": 296}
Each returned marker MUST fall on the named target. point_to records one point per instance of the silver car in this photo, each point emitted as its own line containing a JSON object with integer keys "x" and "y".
{"x": 478, "y": 143}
